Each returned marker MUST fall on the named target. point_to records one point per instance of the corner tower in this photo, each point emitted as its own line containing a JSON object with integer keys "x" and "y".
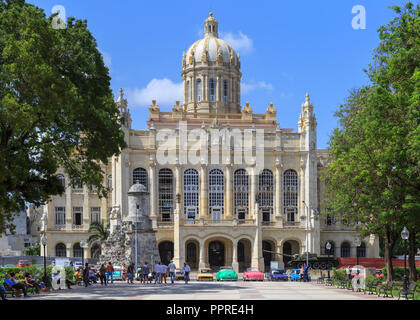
{"x": 211, "y": 74}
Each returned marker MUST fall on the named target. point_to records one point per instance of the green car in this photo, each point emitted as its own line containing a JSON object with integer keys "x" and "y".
{"x": 226, "y": 273}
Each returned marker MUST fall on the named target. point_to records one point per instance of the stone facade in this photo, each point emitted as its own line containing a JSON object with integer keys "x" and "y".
{"x": 210, "y": 213}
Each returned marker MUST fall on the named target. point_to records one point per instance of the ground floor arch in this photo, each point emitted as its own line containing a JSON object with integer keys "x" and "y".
{"x": 290, "y": 247}
{"x": 166, "y": 251}
{"x": 268, "y": 248}
{"x": 216, "y": 254}
{"x": 244, "y": 254}
{"x": 192, "y": 253}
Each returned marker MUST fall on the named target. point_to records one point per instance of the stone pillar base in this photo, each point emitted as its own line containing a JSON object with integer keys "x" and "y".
{"x": 235, "y": 266}
{"x": 201, "y": 265}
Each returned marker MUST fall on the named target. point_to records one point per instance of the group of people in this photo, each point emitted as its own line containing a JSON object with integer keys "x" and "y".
{"x": 13, "y": 285}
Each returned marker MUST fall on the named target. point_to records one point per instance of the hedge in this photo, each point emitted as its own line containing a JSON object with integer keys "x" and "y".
{"x": 36, "y": 271}
{"x": 399, "y": 272}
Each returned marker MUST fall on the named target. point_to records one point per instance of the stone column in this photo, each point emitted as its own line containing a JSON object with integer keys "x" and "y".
{"x": 86, "y": 250}
{"x": 86, "y": 209}
{"x": 178, "y": 259}
{"x": 68, "y": 212}
{"x": 235, "y": 264}
{"x": 202, "y": 261}
{"x": 257, "y": 258}
{"x": 228, "y": 192}
{"x": 153, "y": 195}
{"x": 185, "y": 89}
{"x": 204, "y": 200}
{"x": 178, "y": 188}
{"x": 278, "y": 193}
{"x": 253, "y": 192}
{"x": 68, "y": 250}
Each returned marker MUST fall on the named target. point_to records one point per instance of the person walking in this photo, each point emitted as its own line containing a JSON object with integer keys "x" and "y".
{"x": 123, "y": 272}
{"x": 305, "y": 273}
{"x": 164, "y": 270}
{"x": 158, "y": 275}
{"x": 172, "y": 269}
{"x": 102, "y": 274}
{"x": 186, "y": 270}
{"x": 348, "y": 273}
{"x": 130, "y": 273}
{"x": 145, "y": 270}
{"x": 86, "y": 274}
{"x": 109, "y": 272}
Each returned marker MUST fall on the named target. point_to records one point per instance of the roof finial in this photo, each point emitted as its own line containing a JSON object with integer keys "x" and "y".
{"x": 307, "y": 97}
{"x": 120, "y": 94}
{"x": 211, "y": 14}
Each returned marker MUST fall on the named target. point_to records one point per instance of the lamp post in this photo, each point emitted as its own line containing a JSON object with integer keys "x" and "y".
{"x": 357, "y": 243}
{"x": 82, "y": 245}
{"x": 328, "y": 247}
{"x": 306, "y": 232}
{"x": 44, "y": 243}
{"x": 404, "y": 235}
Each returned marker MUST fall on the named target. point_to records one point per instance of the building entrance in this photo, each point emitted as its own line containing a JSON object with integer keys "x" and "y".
{"x": 216, "y": 254}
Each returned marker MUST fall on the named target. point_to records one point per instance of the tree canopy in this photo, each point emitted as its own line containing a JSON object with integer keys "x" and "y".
{"x": 373, "y": 179}
{"x": 56, "y": 108}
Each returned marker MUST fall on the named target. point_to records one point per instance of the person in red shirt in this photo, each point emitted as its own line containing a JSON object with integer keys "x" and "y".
{"x": 109, "y": 273}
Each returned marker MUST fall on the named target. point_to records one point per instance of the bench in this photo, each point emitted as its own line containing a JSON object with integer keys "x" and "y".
{"x": 386, "y": 289}
{"x": 369, "y": 287}
{"x": 11, "y": 291}
{"x": 411, "y": 291}
{"x": 329, "y": 281}
{"x": 321, "y": 279}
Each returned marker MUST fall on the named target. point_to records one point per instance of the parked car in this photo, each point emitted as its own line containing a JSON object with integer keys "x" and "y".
{"x": 253, "y": 274}
{"x": 295, "y": 275}
{"x": 205, "y": 274}
{"x": 226, "y": 273}
{"x": 23, "y": 263}
{"x": 77, "y": 265}
{"x": 179, "y": 274}
{"x": 277, "y": 275}
{"x": 379, "y": 274}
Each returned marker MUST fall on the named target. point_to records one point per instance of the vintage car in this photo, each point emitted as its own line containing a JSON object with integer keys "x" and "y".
{"x": 253, "y": 274}
{"x": 205, "y": 274}
{"x": 179, "y": 274}
{"x": 226, "y": 273}
{"x": 295, "y": 275}
{"x": 23, "y": 263}
{"x": 277, "y": 275}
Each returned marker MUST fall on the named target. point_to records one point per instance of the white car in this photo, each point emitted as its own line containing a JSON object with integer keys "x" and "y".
{"x": 77, "y": 265}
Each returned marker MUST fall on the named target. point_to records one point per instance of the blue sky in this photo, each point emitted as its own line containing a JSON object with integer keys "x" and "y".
{"x": 287, "y": 48}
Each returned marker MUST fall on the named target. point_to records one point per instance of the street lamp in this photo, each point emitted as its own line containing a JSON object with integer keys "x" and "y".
{"x": 44, "y": 243}
{"x": 404, "y": 235}
{"x": 328, "y": 247}
{"x": 357, "y": 243}
{"x": 82, "y": 245}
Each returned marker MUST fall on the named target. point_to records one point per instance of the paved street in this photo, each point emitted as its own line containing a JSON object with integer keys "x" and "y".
{"x": 207, "y": 291}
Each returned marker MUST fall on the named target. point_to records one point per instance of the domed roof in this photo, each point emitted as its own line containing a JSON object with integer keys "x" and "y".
{"x": 211, "y": 48}
{"x": 137, "y": 187}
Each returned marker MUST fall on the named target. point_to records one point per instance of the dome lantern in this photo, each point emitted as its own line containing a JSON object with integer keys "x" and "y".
{"x": 211, "y": 27}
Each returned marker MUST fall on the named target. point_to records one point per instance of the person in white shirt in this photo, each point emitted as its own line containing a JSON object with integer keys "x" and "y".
{"x": 172, "y": 269}
{"x": 186, "y": 270}
{"x": 158, "y": 271}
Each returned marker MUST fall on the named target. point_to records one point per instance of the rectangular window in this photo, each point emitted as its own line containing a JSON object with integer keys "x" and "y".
{"x": 77, "y": 216}
{"x": 95, "y": 214}
{"x": 60, "y": 216}
{"x": 225, "y": 91}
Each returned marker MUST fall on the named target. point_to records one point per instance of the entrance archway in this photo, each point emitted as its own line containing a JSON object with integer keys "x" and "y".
{"x": 244, "y": 254}
{"x": 166, "y": 251}
{"x": 290, "y": 247}
{"x": 216, "y": 254}
{"x": 268, "y": 256}
{"x": 191, "y": 248}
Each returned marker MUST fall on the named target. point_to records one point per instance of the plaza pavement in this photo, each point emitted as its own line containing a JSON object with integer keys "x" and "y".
{"x": 237, "y": 290}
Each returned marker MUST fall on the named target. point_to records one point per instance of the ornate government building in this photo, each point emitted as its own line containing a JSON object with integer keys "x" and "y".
{"x": 213, "y": 214}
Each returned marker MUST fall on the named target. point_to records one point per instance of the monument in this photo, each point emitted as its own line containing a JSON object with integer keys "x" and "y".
{"x": 132, "y": 233}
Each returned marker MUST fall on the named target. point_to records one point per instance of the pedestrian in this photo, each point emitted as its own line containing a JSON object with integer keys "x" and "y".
{"x": 109, "y": 273}
{"x": 348, "y": 273}
{"x": 12, "y": 282}
{"x": 163, "y": 271}
{"x": 123, "y": 272}
{"x": 301, "y": 273}
{"x": 172, "y": 269}
{"x": 186, "y": 270}
{"x": 305, "y": 272}
{"x": 145, "y": 270}
{"x": 102, "y": 274}
{"x": 86, "y": 274}
{"x": 157, "y": 270}
{"x": 130, "y": 273}
{"x": 31, "y": 283}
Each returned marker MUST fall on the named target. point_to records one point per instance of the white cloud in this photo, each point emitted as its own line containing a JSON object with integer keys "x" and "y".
{"x": 107, "y": 59}
{"x": 240, "y": 42}
{"x": 164, "y": 91}
{"x": 247, "y": 87}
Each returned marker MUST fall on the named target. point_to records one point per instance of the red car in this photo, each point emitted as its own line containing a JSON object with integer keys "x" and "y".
{"x": 253, "y": 274}
{"x": 23, "y": 263}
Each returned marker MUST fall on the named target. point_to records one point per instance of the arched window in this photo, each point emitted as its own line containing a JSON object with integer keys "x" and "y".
{"x": 290, "y": 195}
{"x": 225, "y": 91}
{"x": 212, "y": 89}
{"x": 166, "y": 195}
{"x": 62, "y": 179}
{"x": 345, "y": 250}
{"x": 199, "y": 90}
{"x": 187, "y": 91}
{"x": 110, "y": 181}
{"x": 216, "y": 193}
{"x": 241, "y": 193}
{"x": 60, "y": 250}
{"x": 77, "y": 250}
{"x": 191, "y": 193}
{"x": 361, "y": 250}
{"x": 330, "y": 252}
{"x": 265, "y": 193}
{"x": 140, "y": 175}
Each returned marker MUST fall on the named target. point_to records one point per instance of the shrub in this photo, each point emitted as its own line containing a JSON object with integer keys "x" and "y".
{"x": 339, "y": 274}
{"x": 399, "y": 272}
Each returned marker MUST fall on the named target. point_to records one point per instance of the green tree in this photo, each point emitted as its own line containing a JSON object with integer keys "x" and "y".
{"x": 373, "y": 179}
{"x": 56, "y": 108}
{"x": 100, "y": 233}
{"x": 33, "y": 251}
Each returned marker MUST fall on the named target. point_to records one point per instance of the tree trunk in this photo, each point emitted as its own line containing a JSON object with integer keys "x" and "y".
{"x": 389, "y": 244}
{"x": 412, "y": 255}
